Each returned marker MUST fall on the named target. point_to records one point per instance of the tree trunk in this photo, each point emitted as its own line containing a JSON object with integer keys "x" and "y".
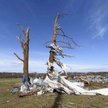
{"x": 25, "y": 48}
{"x": 51, "y": 57}
{"x": 26, "y": 56}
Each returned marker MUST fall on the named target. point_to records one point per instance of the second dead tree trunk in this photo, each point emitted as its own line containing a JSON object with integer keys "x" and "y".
{"x": 52, "y": 53}
{"x": 56, "y": 50}
{"x": 25, "y": 49}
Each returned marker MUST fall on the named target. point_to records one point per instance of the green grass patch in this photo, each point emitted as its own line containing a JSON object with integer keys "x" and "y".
{"x": 49, "y": 100}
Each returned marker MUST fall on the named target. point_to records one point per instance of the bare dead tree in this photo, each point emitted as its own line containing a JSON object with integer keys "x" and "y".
{"x": 55, "y": 50}
{"x": 25, "y": 49}
{"x": 51, "y": 57}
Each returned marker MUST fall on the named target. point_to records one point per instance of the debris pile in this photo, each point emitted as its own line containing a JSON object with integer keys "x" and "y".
{"x": 59, "y": 84}
{"x": 54, "y": 81}
{"x": 91, "y": 78}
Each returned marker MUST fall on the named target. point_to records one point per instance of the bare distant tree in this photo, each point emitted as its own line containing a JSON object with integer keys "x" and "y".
{"x": 25, "y": 49}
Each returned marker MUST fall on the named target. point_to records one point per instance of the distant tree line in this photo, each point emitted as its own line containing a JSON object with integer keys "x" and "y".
{"x": 19, "y": 75}
{"x": 42, "y": 75}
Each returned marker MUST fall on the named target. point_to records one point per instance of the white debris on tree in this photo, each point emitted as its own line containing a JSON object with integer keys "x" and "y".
{"x": 55, "y": 81}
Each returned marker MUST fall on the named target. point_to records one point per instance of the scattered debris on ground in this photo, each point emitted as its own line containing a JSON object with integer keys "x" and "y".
{"x": 15, "y": 90}
{"x": 54, "y": 81}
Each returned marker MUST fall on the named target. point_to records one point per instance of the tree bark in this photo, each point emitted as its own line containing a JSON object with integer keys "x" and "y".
{"x": 26, "y": 55}
{"x": 51, "y": 57}
{"x": 25, "y": 48}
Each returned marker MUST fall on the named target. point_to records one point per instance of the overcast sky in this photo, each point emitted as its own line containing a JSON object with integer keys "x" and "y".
{"x": 86, "y": 23}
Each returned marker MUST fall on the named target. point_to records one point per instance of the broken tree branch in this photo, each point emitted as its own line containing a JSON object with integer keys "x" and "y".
{"x": 20, "y": 26}
{"x": 18, "y": 57}
{"x": 21, "y": 42}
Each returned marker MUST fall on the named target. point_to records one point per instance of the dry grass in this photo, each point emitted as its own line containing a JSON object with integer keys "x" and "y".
{"x": 49, "y": 100}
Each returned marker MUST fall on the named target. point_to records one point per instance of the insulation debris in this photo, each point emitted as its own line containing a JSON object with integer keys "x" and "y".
{"x": 54, "y": 81}
{"x": 60, "y": 85}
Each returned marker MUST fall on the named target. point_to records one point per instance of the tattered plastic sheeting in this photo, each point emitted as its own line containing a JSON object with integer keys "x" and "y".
{"x": 59, "y": 84}
{"x": 24, "y": 88}
{"x": 38, "y": 81}
{"x": 80, "y": 84}
{"x": 59, "y": 63}
{"x": 56, "y": 85}
{"x": 53, "y": 75}
{"x": 39, "y": 93}
{"x": 103, "y": 91}
{"x": 79, "y": 90}
{"x": 15, "y": 90}
{"x": 49, "y": 65}
{"x": 56, "y": 47}
{"x": 49, "y": 89}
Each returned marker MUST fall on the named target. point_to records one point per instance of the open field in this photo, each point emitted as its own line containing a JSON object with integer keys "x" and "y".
{"x": 49, "y": 100}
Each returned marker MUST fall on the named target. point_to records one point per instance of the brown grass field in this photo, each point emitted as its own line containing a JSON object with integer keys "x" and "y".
{"x": 48, "y": 100}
